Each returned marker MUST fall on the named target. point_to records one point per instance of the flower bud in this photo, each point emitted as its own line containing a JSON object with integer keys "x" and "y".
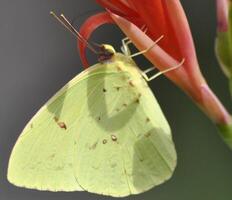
{"x": 224, "y": 36}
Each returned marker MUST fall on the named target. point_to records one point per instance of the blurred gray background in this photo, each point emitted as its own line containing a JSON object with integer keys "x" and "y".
{"x": 37, "y": 57}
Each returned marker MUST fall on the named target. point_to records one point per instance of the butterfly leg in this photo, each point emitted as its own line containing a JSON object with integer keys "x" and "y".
{"x": 148, "y": 49}
{"x": 125, "y": 46}
{"x": 144, "y": 74}
{"x": 149, "y": 70}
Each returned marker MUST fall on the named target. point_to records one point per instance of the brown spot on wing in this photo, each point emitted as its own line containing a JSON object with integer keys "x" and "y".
{"x": 104, "y": 141}
{"x": 56, "y": 119}
{"x": 93, "y": 146}
{"x": 119, "y": 68}
{"x": 131, "y": 84}
{"x": 114, "y": 138}
{"x": 148, "y": 134}
{"x": 104, "y": 90}
{"x": 62, "y": 125}
{"x": 117, "y": 88}
{"x": 137, "y": 100}
{"x": 148, "y": 119}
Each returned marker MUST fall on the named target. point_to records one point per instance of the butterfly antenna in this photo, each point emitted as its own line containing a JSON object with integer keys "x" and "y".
{"x": 64, "y": 21}
{"x": 78, "y": 34}
{"x": 59, "y": 20}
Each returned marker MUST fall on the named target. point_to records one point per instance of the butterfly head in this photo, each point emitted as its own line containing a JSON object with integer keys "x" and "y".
{"x": 106, "y": 52}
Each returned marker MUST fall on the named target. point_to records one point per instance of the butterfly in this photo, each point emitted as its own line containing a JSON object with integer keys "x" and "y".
{"x": 103, "y": 132}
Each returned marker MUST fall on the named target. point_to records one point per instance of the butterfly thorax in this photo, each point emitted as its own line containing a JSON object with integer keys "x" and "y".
{"x": 108, "y": 55}
{"x": 124, "y": 63}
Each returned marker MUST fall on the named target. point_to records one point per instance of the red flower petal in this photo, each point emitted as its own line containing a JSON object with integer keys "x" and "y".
{"x": 152, "y": 13}
{"x": 90, "y": 25}
{"x": 156, "y": 18}
{"x": 119, "y": 7}
{"x": 184, "y": 39}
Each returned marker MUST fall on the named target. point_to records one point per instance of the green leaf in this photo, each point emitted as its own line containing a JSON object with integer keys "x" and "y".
{"x": 230, "y": 86}
{"x": 224, "y": 47}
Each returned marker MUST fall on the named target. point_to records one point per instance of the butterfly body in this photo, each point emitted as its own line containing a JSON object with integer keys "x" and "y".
{"x": 103, "y": 132}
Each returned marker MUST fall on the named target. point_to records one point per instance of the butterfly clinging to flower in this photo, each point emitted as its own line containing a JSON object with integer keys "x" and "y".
{"x": 103, "y": 132}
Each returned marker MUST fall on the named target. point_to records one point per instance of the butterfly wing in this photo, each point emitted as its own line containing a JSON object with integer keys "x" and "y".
{"x": 43, "y": 156}
{"x": 104, "y": 132}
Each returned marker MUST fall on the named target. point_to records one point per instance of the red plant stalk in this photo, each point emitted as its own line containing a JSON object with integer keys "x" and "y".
{"x": 161, "y": 17}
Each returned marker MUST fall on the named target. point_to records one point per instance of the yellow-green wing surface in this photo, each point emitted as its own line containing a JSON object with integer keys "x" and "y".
{"x": 103, "y": 132}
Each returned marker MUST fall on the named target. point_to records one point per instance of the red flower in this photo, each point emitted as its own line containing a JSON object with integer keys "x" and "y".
{"x": 161, "y": 17}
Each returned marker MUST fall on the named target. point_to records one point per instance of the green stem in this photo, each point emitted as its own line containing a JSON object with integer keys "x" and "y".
{"x": 230, "y": 86}
{"x": 226, "y": 133}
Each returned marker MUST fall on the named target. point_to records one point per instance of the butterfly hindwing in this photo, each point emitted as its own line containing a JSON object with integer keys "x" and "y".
{"x": 125, "y": 144}
{"x": 104, "y": 132}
